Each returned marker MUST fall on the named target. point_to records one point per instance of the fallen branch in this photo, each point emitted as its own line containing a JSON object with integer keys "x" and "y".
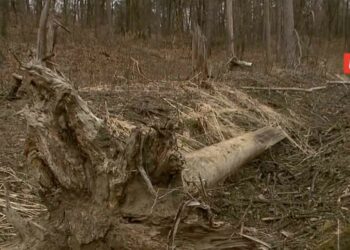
{"x": 338, "y": 82}
{"x": 286, "y": 88}
{"x": 256, "y": 240}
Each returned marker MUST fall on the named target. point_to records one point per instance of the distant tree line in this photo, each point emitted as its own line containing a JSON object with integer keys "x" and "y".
{"x": 286, "y": 28}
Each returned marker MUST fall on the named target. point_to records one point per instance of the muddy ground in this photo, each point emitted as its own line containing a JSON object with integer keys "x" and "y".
{"x": 295, "y": 196}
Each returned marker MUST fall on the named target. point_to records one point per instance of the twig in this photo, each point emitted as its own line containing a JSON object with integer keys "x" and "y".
{"x": 245, "y": 213}
{"x": 142, "y": 170}
{"x": 286, "y": 89}
{"x": 338, "y": 235}
{"x": 205, "y": 194}
{"x": 173, "y": 231}
{"x": 139, "y": 70}
{"x": 16, "y": 58}
{"x": 154, "y": 202}
{"x": 299, "y": 46}
{"x": 338, "y": 82}
{"x": 256, "y": 240}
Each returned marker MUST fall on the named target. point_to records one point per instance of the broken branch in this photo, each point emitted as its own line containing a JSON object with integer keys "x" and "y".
{"x": 286, "y": 88}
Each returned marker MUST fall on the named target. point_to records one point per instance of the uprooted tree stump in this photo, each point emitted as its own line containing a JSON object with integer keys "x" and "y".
{"x": 97, "y": 180}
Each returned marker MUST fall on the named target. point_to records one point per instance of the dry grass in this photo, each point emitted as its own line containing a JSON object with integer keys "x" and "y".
{"x": 16, "y": 191}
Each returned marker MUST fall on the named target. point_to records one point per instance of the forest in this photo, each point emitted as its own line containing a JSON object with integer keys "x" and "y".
{"x": 174, "y": 124}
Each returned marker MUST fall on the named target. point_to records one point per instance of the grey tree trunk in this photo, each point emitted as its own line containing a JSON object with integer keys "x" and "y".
{"x": 279, "y": 30}
{"x": 267, "y": 31}
{"x": 210, "y": 15}
{"x": 109, "y": 18}
{"x": 3, "y": 17}
{"x": 229, "y": 26}
{"x": 346, "y": 26}
{"x": 288, "y": 33}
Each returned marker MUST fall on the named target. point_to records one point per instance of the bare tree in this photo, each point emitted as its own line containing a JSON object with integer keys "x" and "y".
{"x": 279, "y": 30}
{"x": 109, "y": 8}
{"x": 209, "y": 22}
{"x": 199, "y": 51}
{"x": 267, "y": 30}
{"x": 229, "y": 26}
{"x": 3, "y": 17}
{"x": 288, "y": 33}
{"x": 346, "y": 26}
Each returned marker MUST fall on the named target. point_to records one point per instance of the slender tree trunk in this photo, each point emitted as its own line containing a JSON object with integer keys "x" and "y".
{"x": 267, "y": 31}
{"x": 109, "y": 17}
{"x": 4, "y": 4}
{"x": 229, "y": 26}
{"x": 210, "y": 22}
{"x": 82, "y": 12}
{"x": 288, "y": 33}
{"x": 27, "y": 6}
{"x": 97, "y": 16}
{"x": 127, "y": 16}
{"x": 346, "y": 26}
{"x": 65, "y": 12}
{"x": 38, "y": 8}
{"x": 279, "y": 30}
{"x": 89, "y": 13}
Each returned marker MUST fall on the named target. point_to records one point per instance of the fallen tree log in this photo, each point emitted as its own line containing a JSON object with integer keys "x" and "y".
{"x": 215, "y": 163}
{"x": 234, "y": 61}
{"x": 95, "y": 179}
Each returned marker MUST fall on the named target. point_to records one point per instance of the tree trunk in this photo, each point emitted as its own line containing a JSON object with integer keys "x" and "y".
{"x": 229, "y": 27}
{"x": 217, "y": 162}
{"x": 267, "y": 31}
{"x": 199, "y": 52}
{"x": 38, "y": 8}
{"x": 288, "y": 33}
{"x": 65, "y": 12}
{"x": 346, "y": 27}
{"x": 4, "y": 4}
{"x": 279, "y": 30}
{"x": 109, "y": 18}
{"x": 210, "y": 23}
{"x": 97, "y": 17}
{"x": 42, "y": 32}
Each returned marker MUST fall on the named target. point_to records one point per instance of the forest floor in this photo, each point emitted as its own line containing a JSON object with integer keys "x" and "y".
{"x": 295, "y": 196}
